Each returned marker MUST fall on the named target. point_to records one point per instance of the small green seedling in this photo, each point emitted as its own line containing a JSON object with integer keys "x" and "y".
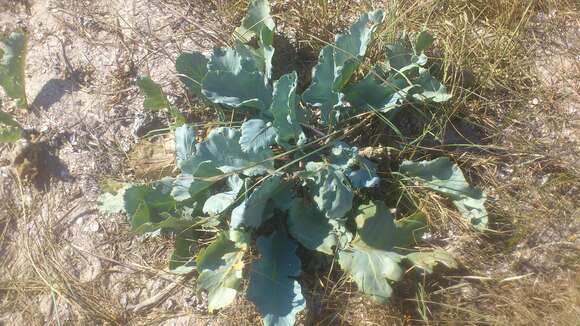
{"x": 12, "y": 62}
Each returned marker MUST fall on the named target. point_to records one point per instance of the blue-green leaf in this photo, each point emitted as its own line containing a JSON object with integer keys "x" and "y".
{"x": 12, "y": 63}
{"x": 371, "y": 260}
{"x": 266, "y": 51}
{"x": 351, "y": 46}
{"x": 192, "y": 67}
{"x": 431, "y": 89}
{"x": 282, "y": 200}
{"x": 113, "y": 203}
{"x": 401, "y": 59}
{"x": 222, "y": 148}
{"x": 250, "y": 213}
{"x": 312, "y": 229}
{"x": 405, "y": 61}
{"x": 371, "y": 269}
{"x": 234, "y": 60}
{"x": 219, "y": 202}
{"x": 428, "y": 260}
{"x": 369, "y": 92}
{"x": 336, "y": 65}
{"x": 365, "y": 176}
{"x": 175, "y": 223}
{"x": 361, "y": 172}
{"x": 257, "y": 19}
{"x": 236, "y": 79}
{"x": 184, "y": 143}
{"x": 446, "y": 177}
{"x": 343, "y": 156}
{"x": 149, "y": 204}
{"x": 187, "y": 186}
{"x": 377, "y": 228}
{"x": 273, "y": 287}
{"x": 220, "y": 266}
{"x": 410, "y": 229}
{"x": 320, "y": 93}
{"x": 242, "y": 90}
{"x": 155, "y": 98}
{"x": 329, "y": 188}
{"x": 257, "y": 135}
{"x": 258, "y": 23}
{"x": 284, "y": 109}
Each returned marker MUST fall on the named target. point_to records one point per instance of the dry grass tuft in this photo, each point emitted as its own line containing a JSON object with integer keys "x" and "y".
{"x": 49, "y": 278}
{"x": 153, "y": 159}
{"x": 38, "y": 273}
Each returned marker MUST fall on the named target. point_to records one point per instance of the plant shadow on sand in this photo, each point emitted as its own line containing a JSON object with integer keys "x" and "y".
{"x": 52, "y": 92}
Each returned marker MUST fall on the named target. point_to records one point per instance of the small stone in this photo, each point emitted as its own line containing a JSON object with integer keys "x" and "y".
{"x": 93, "y": 226}
{"x": 46, "y": 305}
{"x": 170, "y": 304}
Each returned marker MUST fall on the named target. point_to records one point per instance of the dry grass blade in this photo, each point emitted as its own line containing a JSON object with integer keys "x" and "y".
{"x": 153, "y": 159}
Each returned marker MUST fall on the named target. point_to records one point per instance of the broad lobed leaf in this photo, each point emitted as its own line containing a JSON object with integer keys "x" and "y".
{"x": 188, "y": 186}
{"x": 428, "y": 260}
{"x": 372, "y": 259}
{"x": 258, "y": 23}
{"x": 218, "y": 203}
{"x": 285, "y": 112}
{"x": 336, "y": 65}
{"x": 329, "y": 189}
{"x": 156, "y": 99}
{"x": 445, "y": 177}
{"x": 244, "y": 90}
{"x": 251, "y": 213}
{"x": 351, "y": 47}
{"x": 182, "y": 259}
{"x": 192, "y": 68}
{"x": 257, "y": 135}
{"x": 361, "y": 172}
{"x": 222, "y": 148}
{"x": 313, "y": 230}
{"x": 372, "y": 270}
{"x": 405, "y": 80}
{"x": 273, "y": 287}
{"x": 184, "y": 143}
{"x": 220, "y": 266}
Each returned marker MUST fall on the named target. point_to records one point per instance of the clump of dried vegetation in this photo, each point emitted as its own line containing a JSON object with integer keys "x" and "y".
{"x": 523, "y": 273}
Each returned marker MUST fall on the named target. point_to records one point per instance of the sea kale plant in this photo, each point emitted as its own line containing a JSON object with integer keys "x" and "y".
{"x": 286, "y": 178}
